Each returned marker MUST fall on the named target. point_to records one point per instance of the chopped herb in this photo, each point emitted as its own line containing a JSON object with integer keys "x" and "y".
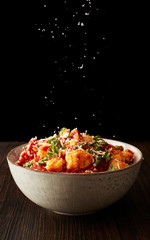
{"x": 79, "y": 146}
{"x": 61, "y": 131}
{"x": 45, "y": 159}
{"x": 53, "y": 139}
{"x": 42, "y": 162}
{"x": 99, "y": 158}
{"x": 96, "y": 138}
{"x": 54, "y": 148}
{"x": 28, "y": 164}
{"x": 90, "y": 151}
{"x": 111, "y": 168}
{"x": 107, "y": 156}
{"x": 97, "y": 161}
{"x": 118, "y": 148}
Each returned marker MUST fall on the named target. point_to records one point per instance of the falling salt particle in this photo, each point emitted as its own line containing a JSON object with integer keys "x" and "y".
{"x": 87, "y": 14}
{"x": 75, "y": 118}
{"x": 80, "y": 67}
{"x": 99, "y": 124}
{"x": 114, "y": 136}
{"x": 93, "y": 58}
{"x": 93, "y": 115}
{"x": 80, "y": 24}
{"x": 45, "y": 97}
{"x": 104, "y": 38}
{"x": 43, "y": 125}
{"x": 58, "y": 127}
{"x": 44, "y": 5}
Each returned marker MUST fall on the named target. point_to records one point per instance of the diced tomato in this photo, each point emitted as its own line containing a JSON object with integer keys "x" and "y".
{"x": 41, "y": 168}
{"x": 105, "y": 147}
{"x": 103, "y": 166}
{"x": 45, "y": 148}
{"x": 34, "y": 166}
{"x": 23, "y": 158}
{"x": 32, "y": 142}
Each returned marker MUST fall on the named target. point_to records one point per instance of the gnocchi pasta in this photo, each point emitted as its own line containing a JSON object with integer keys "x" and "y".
{"x": 74, "y": 152}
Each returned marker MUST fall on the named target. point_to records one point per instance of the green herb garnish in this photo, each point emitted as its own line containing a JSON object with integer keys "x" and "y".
{"x": 118, "y": 148}
{"x": 107, "y": 156}
{"x": 79, "y": 146}
{"x": 27, "y": 164}
{"x": 42, "y": 161}
{"x": 61, "y": 131}
{"x": 53, "y": 151}
{"x": 99, "y": 158}
{"x": 111, "y": 168}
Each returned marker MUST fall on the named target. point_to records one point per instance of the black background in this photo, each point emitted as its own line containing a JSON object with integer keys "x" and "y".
{"x": 73, "y": 64}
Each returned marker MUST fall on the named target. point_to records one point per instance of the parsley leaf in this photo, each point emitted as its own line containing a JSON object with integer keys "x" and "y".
{"x": 27, "y": 164}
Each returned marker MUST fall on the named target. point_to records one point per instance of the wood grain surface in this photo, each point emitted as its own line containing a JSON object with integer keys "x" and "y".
{"x": 21, "y": 219}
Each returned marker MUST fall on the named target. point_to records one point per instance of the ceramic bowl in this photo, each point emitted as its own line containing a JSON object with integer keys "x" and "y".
{"x": 74, "y": 194}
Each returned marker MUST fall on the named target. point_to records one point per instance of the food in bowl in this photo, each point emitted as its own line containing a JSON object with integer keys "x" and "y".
{"x": 73, "y": 152}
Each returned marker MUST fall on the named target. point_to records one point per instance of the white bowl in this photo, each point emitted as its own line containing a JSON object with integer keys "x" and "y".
{"x": 74, "y": 193}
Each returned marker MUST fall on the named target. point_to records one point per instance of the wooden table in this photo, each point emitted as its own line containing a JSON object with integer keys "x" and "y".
{"x": 129, "y": 218}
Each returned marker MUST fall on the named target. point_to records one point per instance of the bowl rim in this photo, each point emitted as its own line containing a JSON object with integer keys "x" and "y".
{"x": 141, "y": 158}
